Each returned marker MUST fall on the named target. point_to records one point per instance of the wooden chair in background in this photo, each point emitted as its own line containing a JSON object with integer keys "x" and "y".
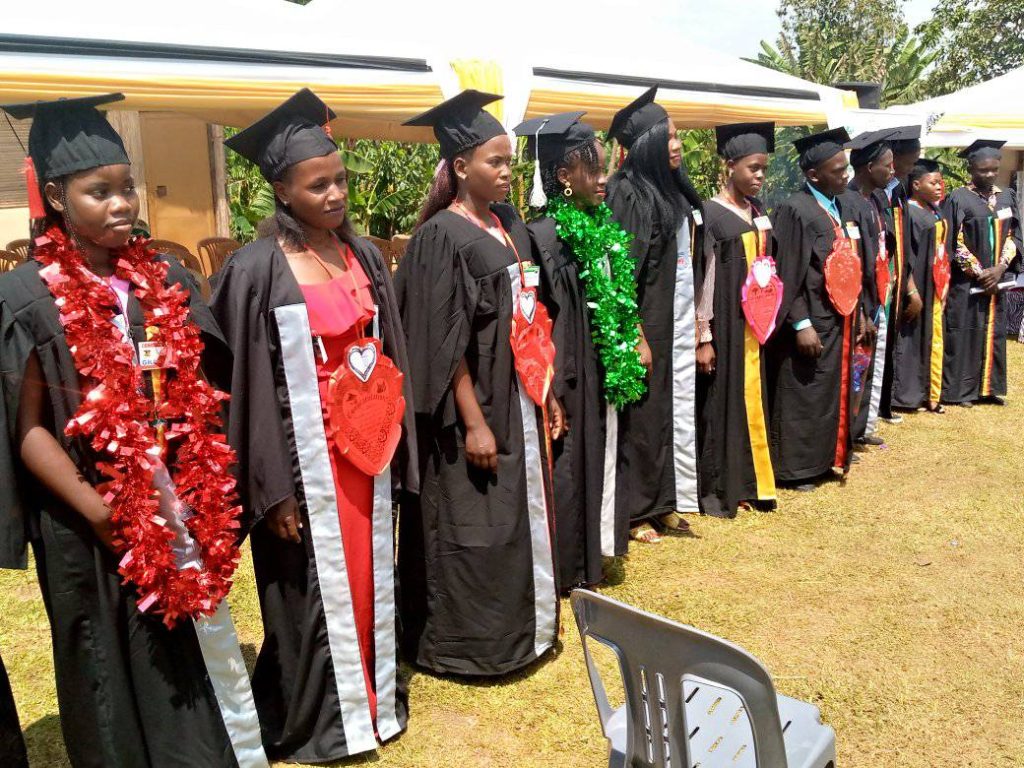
{"x": 19, "y": 247}
{"x": 178, "y": 251}
{"x": 9, "y": 260}
{"x": 214, "y": 251}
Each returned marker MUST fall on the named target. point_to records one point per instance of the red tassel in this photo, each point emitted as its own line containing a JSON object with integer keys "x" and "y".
{"x": 35, "y": 195}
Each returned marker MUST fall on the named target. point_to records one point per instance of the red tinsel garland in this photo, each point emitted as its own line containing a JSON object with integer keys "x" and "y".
{"x": 115, "y": 418}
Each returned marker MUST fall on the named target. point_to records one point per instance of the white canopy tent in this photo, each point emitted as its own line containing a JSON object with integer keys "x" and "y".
{"x": 379, "y": 63}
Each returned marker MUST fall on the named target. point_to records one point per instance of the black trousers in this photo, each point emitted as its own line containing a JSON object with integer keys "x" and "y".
{"x": 12, "y": 746}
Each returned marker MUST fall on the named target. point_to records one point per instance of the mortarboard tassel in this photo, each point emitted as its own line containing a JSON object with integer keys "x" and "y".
{"x": 537, "y": 197}
{"x": 36, "y": 210}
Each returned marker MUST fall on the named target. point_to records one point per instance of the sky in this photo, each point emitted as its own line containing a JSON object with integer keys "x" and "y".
{"x": 716, "y": 21}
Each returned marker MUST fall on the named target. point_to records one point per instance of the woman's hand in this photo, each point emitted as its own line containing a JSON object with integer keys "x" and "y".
{"x": 646, "y": 357}
{"x": 556, "y": 418}
{"x": 989, "y": 278}
{"x": 481, "y": 448}
{"x": 285, "y": 521}
{"x": 706, "y": 357}
{"x": 807, "y": 342}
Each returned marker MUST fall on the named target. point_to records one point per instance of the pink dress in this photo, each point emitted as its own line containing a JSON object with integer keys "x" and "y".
{"x": 338, "y": 310}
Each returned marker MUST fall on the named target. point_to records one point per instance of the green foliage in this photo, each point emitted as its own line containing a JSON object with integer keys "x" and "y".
{"x": 701, "y": 160}
{"x": 250, "y": 198}
{"x": 388, "y": 181}
{"x": 977, "y": 40}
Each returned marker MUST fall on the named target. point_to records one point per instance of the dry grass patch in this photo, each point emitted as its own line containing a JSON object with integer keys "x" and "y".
{"x": 895, "y": 603}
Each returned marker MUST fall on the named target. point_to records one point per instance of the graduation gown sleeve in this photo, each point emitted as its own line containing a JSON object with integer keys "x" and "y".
{"x": 436, "y": 289}
{"x": 15, "y": 347}
{"x": 256, "y": 429}
{"x": 793, "y": 258}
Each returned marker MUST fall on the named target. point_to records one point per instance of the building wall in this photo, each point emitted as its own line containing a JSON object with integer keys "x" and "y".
{"x": 13, "y": 225}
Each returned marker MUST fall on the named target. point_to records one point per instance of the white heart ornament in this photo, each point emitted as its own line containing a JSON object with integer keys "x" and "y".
{"x": 528, "y": 305}
{"x": 762, "y": 269}
{"x": 362, "y": 361}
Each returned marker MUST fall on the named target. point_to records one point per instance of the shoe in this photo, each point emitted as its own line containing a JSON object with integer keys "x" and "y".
{"x": 994, "y": 400}
{"x": 894, "y": 419}
{"x": 805, "y": 487}
{"x": 871, "y": 440}
{"x": 854, "y": 458}
{"x": 966, "y": 404}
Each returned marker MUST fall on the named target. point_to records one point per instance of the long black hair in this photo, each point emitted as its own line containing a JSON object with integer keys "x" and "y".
{"x": 664, "y": 194}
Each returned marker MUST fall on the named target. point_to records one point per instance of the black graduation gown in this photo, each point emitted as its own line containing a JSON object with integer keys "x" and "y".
{"x": 975, "y": 348}
{"x": 475, "y": 548}
{"x": 896, "y": 206}
{"x": 658, "y": 434}
{"x": 308, "y": 682}
{"x": 128, "y": 688}
{"x": 810, "y": 431}
{"x": 735, "y": 462}
{"x": 912, "y": 360}
{"x": 12, "y": 746}
{"x": 866, "y": 214}
{"x": 586, "y": 522}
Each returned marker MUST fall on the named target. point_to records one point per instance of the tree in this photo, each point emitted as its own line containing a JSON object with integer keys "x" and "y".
{"x": 978, "y": 40}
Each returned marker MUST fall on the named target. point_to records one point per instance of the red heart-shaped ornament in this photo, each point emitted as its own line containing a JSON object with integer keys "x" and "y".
{"x": 882, "y": 276}
{"x": 532, "y": 346}
{"x": 365, "y": 407}
{"x": 843, "y": 273}
{"x": 761, "y": 304}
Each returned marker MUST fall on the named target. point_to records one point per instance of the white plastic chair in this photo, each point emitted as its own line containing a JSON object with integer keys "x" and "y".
{"x": 693, "y": 700}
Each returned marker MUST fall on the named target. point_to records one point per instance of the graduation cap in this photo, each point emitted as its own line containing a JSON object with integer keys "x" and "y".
{"x": 742, "y": 139}
{"x": 67, "y": 136}
{"x": 548, "y": 140}
{"x": 461, "y": 123}
{"x": 295, "y": 131}
{"x": 906, "y": 140}
{"x": 636, "y": 119}
{"x": 819, "y": 147}
{"x": 983, "y": 149}
{"x": 868, "y": 146}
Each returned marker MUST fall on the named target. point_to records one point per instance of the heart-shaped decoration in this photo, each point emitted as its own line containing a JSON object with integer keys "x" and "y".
{"x": 941, "y": 272}
{"x": 362, "y": 360}
{"x": 882, "y": 276}
{"x": 365, "y": 414}
{"x": 761, "y": 303}
{"x": 528, "y": 305}
{"x": 533, "y": 350}
{"x": 763, "y": 270}
{"x": 843, "y": 274}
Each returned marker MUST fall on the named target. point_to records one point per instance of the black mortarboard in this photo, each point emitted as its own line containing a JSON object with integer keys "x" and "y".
{"x": 983, "y": 149}
{"x": 633, "y": 121}
{"x": 293, "y": 132}
{"x": 906, "y": 140}
{"x": 868, "y": 146}
{"x": 819, "y": 147}
{"x": 558, "y": 135}
{"x": 742, "y": 139}
{"x": 461, "y": 123}
{"x": 70, "y": 135}
{"x": 548, "y": 140}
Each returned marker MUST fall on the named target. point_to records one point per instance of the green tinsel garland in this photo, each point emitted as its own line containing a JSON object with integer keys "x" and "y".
{"x": 614, "y": 317}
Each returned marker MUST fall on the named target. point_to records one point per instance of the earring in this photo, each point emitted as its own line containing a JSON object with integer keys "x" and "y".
{"x": 568, "y": 190}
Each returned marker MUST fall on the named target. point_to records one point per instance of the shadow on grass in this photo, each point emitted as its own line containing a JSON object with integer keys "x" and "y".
{"x": 45, "y": 743}
{"x": 409, "y": 672}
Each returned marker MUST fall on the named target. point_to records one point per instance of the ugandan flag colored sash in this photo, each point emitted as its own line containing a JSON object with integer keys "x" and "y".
{"x": 938, "y": 311}
{"x": 996, "y": 237}
{"x": 899, "y": 259}
{"x": 754, "y": 247}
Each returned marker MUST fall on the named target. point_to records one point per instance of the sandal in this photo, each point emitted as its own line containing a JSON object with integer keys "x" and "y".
{"x": 645, "y": 534}
{"x": 675, "y": 523}
{"x": 936, "y": 408}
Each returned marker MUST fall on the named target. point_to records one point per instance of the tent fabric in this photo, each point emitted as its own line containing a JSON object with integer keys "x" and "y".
{"x": 230, "y": 61}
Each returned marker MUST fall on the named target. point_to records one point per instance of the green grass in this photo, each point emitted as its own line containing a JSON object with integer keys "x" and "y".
{"x": 894, "y": 603}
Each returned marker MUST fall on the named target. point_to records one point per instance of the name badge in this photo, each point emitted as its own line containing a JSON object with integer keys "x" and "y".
{"x": 1004, "y": 213}
{"x": 150, "y": 353}
{"x": 531, "y": 275}
{"x": 853, "y": 231}
{"x": 698, "y": 219}
{"x": 763, "y": 223}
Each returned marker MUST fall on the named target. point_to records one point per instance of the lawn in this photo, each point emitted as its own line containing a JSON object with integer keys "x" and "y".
{"x": 894, "y": 602}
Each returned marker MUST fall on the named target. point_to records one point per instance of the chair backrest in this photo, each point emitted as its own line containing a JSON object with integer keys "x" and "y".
{"x": 655, "y": 655}
{"x": 178, "y": 251}
{"x": 9, "y": 260}
{"x": 19, "y": 247}
{"x": 398, "y": 245}
{"x": 214, "y": 251}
